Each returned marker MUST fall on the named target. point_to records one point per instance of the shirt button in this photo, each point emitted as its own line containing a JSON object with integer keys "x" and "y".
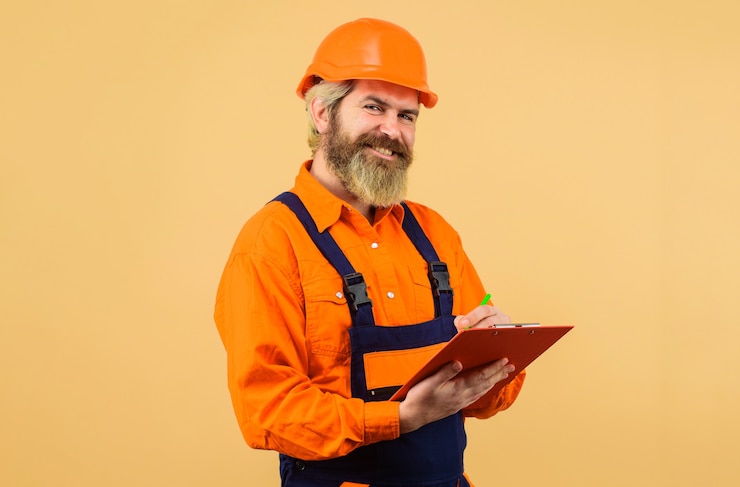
{"x": 339, "y": 295}
{"x": 374, "y": 245}
{"x": 391, "y": 295}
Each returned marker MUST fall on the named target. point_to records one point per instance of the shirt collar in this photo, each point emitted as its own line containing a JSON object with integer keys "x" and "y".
{"x": 324, "y": 207}
{"x": 396, "y": 211}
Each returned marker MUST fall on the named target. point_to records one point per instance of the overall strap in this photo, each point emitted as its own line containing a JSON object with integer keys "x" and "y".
{"x": 439, "y": 277}
{"x": 355, "y": 290}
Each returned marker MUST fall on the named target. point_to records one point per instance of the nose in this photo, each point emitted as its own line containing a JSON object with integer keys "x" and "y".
{"x": 391, "y": 126}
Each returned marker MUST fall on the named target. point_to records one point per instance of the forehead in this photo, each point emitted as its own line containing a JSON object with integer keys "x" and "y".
{"x": 394, "y": 95}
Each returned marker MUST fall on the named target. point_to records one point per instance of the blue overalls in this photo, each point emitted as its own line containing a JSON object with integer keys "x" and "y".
{"x": 431, "y": 456}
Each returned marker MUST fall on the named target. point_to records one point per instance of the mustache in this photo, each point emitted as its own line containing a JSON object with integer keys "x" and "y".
{"x": 383, "y": 142}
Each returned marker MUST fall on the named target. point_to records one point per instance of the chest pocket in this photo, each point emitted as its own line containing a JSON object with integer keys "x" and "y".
{"x": 327, "y": 314}
{"x": 423, "y": 303}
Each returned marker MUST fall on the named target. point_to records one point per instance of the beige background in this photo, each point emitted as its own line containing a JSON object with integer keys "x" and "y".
{"x": 588, "y": 152}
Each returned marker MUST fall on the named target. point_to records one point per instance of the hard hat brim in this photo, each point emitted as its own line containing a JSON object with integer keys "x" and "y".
{"x": 426, "y": 96}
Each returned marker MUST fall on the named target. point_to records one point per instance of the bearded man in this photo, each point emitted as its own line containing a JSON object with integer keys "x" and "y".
{"x": 336, "y": 291}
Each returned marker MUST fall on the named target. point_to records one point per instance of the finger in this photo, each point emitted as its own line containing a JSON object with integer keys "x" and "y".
{"x": 501, "y": 366}
{"x": 488, "y": 376}
{"x": 476, "y": 387}
{"x": 500, "y": 318}
{"x": 447, "y": 373}
{"x": 461, "y": 322}
{"x": 483, "y": 379}
{"x": 484, "y": 315}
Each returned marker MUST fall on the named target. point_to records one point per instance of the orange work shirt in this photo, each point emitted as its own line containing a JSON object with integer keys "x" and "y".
{"x": 283, "y": 319}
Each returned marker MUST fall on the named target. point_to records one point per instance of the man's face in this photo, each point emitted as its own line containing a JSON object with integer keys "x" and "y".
{"x": 369, "y": 141}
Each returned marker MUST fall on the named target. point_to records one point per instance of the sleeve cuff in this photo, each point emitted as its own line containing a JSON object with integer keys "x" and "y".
{"x": 382, "y": 421}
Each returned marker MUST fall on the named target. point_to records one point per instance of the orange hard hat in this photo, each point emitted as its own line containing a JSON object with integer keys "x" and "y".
{"x": 370, "y": 49}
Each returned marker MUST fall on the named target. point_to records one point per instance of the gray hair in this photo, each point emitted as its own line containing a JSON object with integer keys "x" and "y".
{"x": 331, "y": 93}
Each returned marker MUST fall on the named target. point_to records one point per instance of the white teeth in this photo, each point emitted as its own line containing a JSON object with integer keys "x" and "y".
{"x": 384, "y": 151}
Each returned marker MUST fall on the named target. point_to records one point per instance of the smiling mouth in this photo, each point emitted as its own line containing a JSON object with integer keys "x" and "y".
{"x": 381, "y": 150}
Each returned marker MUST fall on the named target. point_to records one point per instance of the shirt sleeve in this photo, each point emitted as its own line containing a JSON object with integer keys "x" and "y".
{"x": 490, "y": 404}
{"x": 471, "y": 291}
{"x": 261, "y": 319}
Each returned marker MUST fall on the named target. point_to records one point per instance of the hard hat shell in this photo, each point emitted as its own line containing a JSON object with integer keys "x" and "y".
{"x": 370, "y": 49}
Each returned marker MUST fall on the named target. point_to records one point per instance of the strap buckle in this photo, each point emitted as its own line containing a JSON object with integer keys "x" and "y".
{"x": 439, "y": 278}
{"x": 355, "y": 290}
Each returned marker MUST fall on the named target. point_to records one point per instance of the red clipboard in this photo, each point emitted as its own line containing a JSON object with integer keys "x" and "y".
{"x": 520, "y": 343}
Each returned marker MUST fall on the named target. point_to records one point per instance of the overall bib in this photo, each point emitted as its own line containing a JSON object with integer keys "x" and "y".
{"x": 431, "y": 456}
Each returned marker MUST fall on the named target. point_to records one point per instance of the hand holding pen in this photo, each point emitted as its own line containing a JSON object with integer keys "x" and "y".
{"x": 486, "y": 315}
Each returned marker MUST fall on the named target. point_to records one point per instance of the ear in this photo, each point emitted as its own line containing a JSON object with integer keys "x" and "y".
{"x": 319, "y": 113}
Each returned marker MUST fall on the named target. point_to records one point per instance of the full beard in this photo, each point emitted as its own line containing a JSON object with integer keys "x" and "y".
{"x": 371, "y": 179}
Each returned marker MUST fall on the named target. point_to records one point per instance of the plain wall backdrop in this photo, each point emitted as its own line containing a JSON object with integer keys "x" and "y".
{"x": 587, "y": 152}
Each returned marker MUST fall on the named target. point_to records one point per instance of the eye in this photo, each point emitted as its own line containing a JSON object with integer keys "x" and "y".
{"x": 407, "y": 118}
{"x": 373, "y": 108}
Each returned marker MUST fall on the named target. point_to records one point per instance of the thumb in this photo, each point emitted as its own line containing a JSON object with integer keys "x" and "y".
{"x": 461, "y": 322}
